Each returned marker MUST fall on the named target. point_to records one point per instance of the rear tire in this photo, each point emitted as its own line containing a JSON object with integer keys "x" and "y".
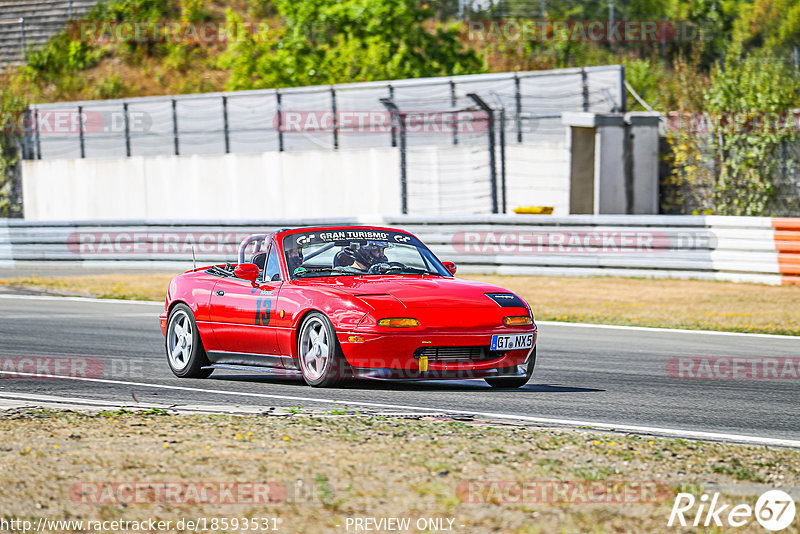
{"x": 321, "y": 359}
{"x": 514, "y": 381}
{"x": 185, "y": 353}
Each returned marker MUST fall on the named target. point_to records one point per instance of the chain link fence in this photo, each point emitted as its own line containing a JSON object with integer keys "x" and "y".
{"x": 345, "y": 116}
{"x": 692, "y": 185}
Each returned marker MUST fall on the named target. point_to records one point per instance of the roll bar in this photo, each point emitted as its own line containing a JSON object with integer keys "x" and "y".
{"x": 260, "y": 238}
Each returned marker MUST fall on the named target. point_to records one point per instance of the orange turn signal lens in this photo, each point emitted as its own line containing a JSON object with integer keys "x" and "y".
{"x": 521, "y": 320}
{"x": 355, "y": 339}
{"x": 399, "y": 322}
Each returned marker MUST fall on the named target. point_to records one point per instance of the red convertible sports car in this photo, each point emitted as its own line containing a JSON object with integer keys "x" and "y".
{"x": 336, "y": 303}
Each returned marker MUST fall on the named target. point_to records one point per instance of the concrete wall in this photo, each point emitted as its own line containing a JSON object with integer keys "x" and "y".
{"x": 616, "y": 171}
{"x": 538, "y": 175}
{"x": 318, "y": 183}
{"x": 455, "y": 180}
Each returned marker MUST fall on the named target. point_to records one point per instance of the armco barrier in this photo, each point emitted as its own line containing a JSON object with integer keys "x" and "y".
{"x": 787, "y": 243}
{"x": 744, "y": 249}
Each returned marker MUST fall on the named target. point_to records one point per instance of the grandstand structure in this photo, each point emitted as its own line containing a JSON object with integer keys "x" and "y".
{"x": 29, "y": 23}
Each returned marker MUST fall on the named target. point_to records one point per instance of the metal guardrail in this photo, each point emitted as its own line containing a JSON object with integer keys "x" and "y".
{"x": 744, "y": 249}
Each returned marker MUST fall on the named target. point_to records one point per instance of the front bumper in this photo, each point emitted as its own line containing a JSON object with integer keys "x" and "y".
{"x": 452, "y": 374}
{"x": 392, "y": 356}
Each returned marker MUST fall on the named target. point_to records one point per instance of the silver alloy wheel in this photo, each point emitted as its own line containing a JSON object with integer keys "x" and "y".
{"x": 179, "y": 340}
{"x": 314, "y": 348}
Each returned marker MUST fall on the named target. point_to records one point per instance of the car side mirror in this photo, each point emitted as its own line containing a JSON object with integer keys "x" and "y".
{"x": 246, "y": 271}
{"x": 450, "y": 266}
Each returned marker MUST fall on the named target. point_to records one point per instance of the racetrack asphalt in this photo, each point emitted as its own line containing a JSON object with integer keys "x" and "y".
{"x": 616, "y": 376}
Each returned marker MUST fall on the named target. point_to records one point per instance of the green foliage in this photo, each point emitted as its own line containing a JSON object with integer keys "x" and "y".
{"x": 61, "y": 55}
{"x": 11, "y": 108}
{"x": 707, "y": 29}
{"x": 647, "y": 78}
{"x": 749, "y": 161}
{"x": 734, "y": 164}
{"x": 260, "y": 9}
{"x": 134, "y": 10}
{"x": 349, "y": 41}
{"x": 194, "y": 11}
{"x": 773, "y": 24}
{"x": 139, "y": 11}
{"x": 110, "y": 86}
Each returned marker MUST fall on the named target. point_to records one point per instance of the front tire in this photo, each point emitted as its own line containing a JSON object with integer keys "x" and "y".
{"x": 514, "y": 381}
{"x": 185, "y": 353}
{"x": 321, "y": 359}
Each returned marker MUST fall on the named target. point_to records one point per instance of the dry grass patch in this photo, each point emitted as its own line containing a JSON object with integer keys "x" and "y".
{"x": 149, "y": 286}
{"x": 693, "y": 304}
{"x": 332, "y": 468}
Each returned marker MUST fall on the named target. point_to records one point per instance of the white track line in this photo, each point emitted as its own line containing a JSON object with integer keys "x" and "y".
{"x": 673, "y": 330}
{"x": 82, "y": 299}
{"x": 693, "y": 434}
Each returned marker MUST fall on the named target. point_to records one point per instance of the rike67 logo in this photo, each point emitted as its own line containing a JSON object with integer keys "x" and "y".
{"x": 774, "y": 510}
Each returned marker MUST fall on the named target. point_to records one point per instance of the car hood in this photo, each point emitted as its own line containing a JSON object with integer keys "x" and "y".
{"x": 422, "y": 292}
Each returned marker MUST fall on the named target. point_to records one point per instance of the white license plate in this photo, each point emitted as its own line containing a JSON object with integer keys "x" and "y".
{"x": 512, "y": 341}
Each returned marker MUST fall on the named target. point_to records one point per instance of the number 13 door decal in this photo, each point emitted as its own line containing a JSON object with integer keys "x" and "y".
{"x": 263, "y": 306}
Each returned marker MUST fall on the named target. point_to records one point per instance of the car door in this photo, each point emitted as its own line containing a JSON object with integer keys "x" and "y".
{"x": 242, "y": 317}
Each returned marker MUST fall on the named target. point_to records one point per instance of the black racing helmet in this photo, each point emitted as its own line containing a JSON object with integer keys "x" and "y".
{"x": 368, "y": 254}
{"x": 374, "y": 250}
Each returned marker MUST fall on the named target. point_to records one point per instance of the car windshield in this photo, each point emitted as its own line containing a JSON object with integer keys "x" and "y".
{"x": 353, "y": 252}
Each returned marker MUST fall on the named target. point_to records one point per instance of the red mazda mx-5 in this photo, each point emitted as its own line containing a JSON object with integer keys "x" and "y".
{"x": 336, "y": 303}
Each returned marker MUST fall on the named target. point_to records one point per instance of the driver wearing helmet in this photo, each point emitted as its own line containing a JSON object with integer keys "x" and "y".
{"x": 362, "y": 257}
{"x": 375, "y": 251}
{"x": 294, "y": 258}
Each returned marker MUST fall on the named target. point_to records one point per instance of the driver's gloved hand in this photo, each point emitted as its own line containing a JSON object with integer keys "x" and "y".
{"x": 378, "y": 268}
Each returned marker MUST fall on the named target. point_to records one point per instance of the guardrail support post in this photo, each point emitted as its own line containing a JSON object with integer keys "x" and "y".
{"x": 585, "y": 89}
{"x": 280, "y": 119}
{"x": 225, "y": 124}
{"x": 398, "y": 121}
{"x": 26, "y": 142}
{"x": 518, "y": 104}
{"x": 36, "y": 138}
{"x": 175, "y": 127}
{"x": 393, "y": 129}
{"x": 335, "y": 122}
{"x": 453, "y": 104}
{"x": 22, "y": 36}
{"x": 500, "y": 105}
{"x": 492, "y": 163}
{"x": 127, "y": 129}
{"x": 80, "y": 131}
